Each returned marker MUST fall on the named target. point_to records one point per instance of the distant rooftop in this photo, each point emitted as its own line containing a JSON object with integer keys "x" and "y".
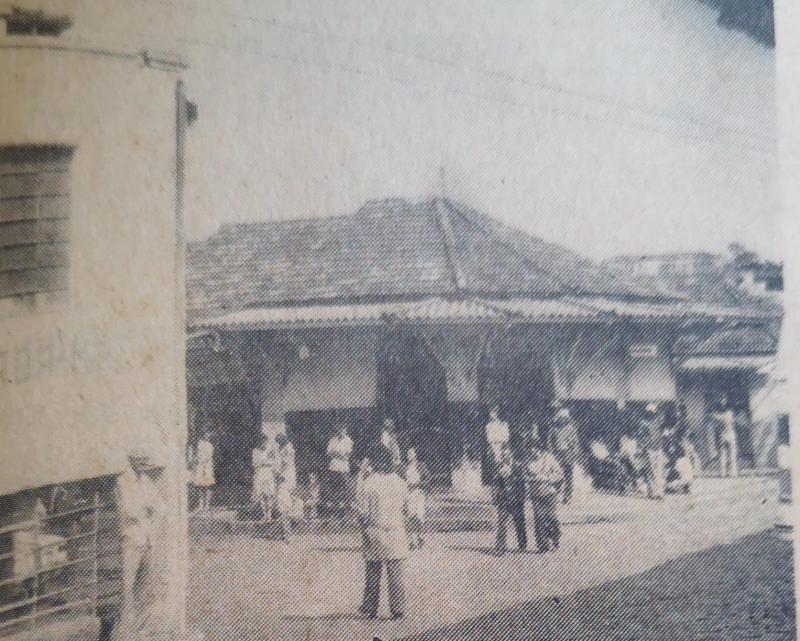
{"x": 699, "y": 276}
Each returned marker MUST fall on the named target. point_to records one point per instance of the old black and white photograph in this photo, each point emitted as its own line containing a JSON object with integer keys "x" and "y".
{"x": 395, "y": 320}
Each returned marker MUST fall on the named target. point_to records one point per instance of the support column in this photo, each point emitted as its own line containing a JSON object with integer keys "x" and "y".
{"x": 459, "y": 351}
{"x": 694, "y": 395}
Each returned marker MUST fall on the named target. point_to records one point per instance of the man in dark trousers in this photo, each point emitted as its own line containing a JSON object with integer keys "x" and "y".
{"x": 384, "y": 510}
{"x": 566, "y": 447}
{"x": 651, "y": 437}
{"x": 509, "y": 497}
{"x": 544, "y": 477}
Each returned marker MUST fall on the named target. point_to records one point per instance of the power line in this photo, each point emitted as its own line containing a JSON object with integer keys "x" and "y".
{"x": 260, "y": 52}
{"x": 536, "y": 84}
{"x": 573, "y": 114}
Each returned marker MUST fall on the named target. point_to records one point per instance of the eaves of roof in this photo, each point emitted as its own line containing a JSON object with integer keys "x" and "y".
{"x": 469, "y": 310}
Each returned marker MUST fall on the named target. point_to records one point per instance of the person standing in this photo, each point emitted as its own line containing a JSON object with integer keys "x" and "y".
{"x": 339, "y": 450}
{"x": 364, "y": 472}
{"x": 726, "y": 435}
{"x": 651, "y": 438}
{"x": 416, "y": 501}
{"x": 384, "y": 508}
{"x": 311, "y": 497}
{"x": 142, "y": 511}
{"x": 509, "y": 499}
{"x": 265, "y": 464}
{"x": 631, "y": 461}
{"x": 671, "y": 438}
{"x": 286, "y": 482}
{"x": 204, "y": 471}
{"x": 497, "y": 435}
{"x": 545, "y": 478}
{"x": 390, "y": 442}
{"x": 566, "y": 446}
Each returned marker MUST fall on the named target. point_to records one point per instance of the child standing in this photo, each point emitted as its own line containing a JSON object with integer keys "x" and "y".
{"x": 416, "y": 501}
{"x": 286, "y": 482}
{"x": 311, "y": 497}
{"x": 204, "y": 471}
{"x": 364, "y": 472}
{"x": 545, "y": 477}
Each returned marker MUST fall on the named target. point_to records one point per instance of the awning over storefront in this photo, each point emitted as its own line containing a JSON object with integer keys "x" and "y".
{"x": 548, "y": 310}
{"x": 640, "y": 310}
{"x": 354, "y": 315}
{"x": 716, "y": 363}
{"x": 544, "y": 310}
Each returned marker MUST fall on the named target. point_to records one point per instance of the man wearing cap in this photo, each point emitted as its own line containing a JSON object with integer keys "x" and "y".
{"x": 140, "y": 505}
{"x": 651, "y": 438}
{"x": 566, "y": 448}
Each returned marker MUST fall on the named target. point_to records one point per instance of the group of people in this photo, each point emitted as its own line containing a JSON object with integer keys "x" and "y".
{"x": 655, "y": 457}
{"x": 388, "y": 496}
{"x": 658, "y": 456}
{"x": 541, "y": 470}
{"x": 275, "y": 481}
{"x": 274, "y": 478}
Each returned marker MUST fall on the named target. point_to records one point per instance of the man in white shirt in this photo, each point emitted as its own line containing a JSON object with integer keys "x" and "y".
{"x": 566, "y": 447}
{"x": 340, "y": 448}
{"x": 726, "y": 433}
{"x": 496, "y": 435}
{"x": 389, "y": 441}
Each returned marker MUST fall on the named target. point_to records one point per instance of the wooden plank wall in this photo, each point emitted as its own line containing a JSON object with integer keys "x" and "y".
{"x": 34, "y": 219}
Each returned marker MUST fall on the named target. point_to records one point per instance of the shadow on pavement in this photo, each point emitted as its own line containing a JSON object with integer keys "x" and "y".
{"x": 594, "y": 519}
{"x": 335, "y": 616}
{"x": 340, "y": 548}
{"x": 742, "y": 590}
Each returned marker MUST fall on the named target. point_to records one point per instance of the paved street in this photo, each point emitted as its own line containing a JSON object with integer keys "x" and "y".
{"x": 701, "y": 567}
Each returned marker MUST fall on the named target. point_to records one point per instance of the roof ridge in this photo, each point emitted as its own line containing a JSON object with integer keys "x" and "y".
{"x": 484, "y": 228}
{"x": 485, "y": 221}
{"x": 448, "y": 241}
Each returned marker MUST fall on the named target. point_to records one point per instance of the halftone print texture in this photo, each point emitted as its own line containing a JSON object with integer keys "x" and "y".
{"x": 473, "y": 312}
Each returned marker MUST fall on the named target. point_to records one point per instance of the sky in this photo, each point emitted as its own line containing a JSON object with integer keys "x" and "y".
{"x": 609, "y": 126}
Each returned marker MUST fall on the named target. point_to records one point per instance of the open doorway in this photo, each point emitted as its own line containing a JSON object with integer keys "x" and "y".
{"x": 519, "y": 382}
{"x": 412, "y": 390}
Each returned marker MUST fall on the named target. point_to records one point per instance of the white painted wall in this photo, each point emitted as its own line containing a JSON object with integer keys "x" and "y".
{"x": 602, "y": 369}
{"x": 105, "y": 371}
{"x": 341, "y": 369}
{"x": 111, "y": 383}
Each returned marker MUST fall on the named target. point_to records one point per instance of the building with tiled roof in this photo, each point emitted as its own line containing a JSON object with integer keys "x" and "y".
{"x": 387, "y": 251}
{"x": 428, "y": 312}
